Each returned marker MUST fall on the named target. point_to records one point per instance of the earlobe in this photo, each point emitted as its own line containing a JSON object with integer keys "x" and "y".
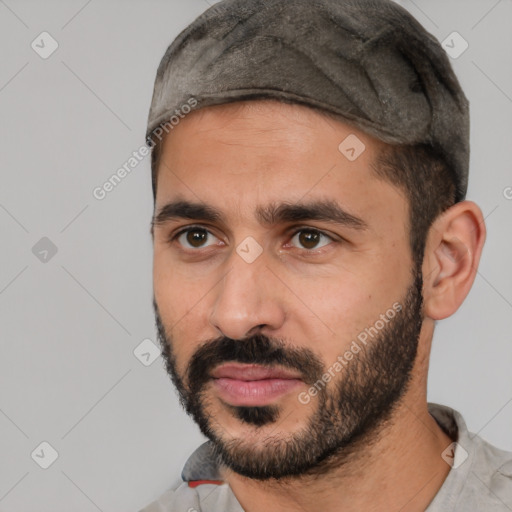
{"x": 452, "y": 255}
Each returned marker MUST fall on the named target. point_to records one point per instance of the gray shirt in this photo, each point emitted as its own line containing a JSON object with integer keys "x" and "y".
{"x": 480, "y": 479}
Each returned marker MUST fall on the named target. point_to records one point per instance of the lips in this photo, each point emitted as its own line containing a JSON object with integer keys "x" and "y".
{"x": 252, "y": 372}
{"x": 252, "y": 384}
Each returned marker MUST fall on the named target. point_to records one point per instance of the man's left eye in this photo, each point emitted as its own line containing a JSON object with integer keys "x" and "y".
{"x": 309, "y": 238}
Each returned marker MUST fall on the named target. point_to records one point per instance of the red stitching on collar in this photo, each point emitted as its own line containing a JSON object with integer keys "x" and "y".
{"x": 195, "y": 483}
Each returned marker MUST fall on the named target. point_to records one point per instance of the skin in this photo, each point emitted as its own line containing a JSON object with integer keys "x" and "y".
{"x": 240, "y": 156}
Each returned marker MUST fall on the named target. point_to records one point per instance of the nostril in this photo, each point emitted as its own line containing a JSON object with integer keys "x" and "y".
{"x": 254, "y": 330}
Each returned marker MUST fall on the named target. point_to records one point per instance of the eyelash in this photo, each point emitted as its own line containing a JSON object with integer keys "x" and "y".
{"x": 175, "y": 236}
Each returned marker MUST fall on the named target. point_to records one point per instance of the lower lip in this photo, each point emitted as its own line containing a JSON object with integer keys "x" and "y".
{"x": 253, "y": 392}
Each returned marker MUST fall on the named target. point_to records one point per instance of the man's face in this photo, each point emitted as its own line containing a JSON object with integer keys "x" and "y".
{"x": 334, "y": 303}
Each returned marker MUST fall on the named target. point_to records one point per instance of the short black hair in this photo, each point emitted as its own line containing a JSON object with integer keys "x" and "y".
{"x": 427, "y": 181}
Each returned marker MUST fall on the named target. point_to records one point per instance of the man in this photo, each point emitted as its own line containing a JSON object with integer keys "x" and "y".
{"x": 310, "y": 163}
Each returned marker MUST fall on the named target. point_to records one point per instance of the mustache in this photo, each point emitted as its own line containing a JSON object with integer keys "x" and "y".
{"x": 257, "y": 349}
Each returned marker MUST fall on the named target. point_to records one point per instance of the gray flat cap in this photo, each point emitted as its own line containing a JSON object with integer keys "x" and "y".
{"x": 367, "y": 61}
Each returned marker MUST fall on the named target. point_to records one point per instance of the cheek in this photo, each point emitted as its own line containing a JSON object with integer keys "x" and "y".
{"x": 344, "y": 304}
{"x": 181, "y": 302}
{"x": 338, "y": 308}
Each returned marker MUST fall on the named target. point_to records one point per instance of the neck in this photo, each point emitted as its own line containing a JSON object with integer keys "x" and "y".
{"x": 399, "y": 468}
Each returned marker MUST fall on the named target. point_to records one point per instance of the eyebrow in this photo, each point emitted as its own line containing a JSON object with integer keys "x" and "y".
{"x": 271, "y": 214}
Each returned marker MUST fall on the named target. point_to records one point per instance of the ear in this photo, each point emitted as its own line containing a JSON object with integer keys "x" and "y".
{"x": 452, "y": 254}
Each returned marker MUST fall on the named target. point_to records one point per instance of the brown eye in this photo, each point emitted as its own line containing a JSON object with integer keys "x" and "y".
{"x": 193, "y": 238}
{"x": 309, "y": 238}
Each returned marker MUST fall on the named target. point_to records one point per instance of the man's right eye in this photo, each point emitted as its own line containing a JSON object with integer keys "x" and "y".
{"x": 192, "y": 237}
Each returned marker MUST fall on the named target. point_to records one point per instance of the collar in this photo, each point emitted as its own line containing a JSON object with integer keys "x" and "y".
{"x": 202, "y": 466}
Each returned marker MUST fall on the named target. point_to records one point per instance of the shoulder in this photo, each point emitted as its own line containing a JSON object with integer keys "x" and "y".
{"x": 173, "y": 499}
{"x": 201, "y": 498}
{"x": 481, "y": 474}
{"x": 491, "y": 474}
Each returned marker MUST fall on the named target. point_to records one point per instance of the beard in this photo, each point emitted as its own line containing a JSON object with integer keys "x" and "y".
{"x": 350, "y": 410}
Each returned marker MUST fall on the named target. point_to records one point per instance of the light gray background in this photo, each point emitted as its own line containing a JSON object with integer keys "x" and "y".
{"x": 69, "y": 326}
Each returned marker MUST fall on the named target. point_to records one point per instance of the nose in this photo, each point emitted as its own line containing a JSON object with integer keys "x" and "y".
{"x": 247, "y": 299}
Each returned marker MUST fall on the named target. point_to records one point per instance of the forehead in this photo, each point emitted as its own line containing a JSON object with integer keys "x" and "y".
{"x": 246, "y": 155}
{"x": 282, "y": 134}
{"x": 265, "y": 118}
